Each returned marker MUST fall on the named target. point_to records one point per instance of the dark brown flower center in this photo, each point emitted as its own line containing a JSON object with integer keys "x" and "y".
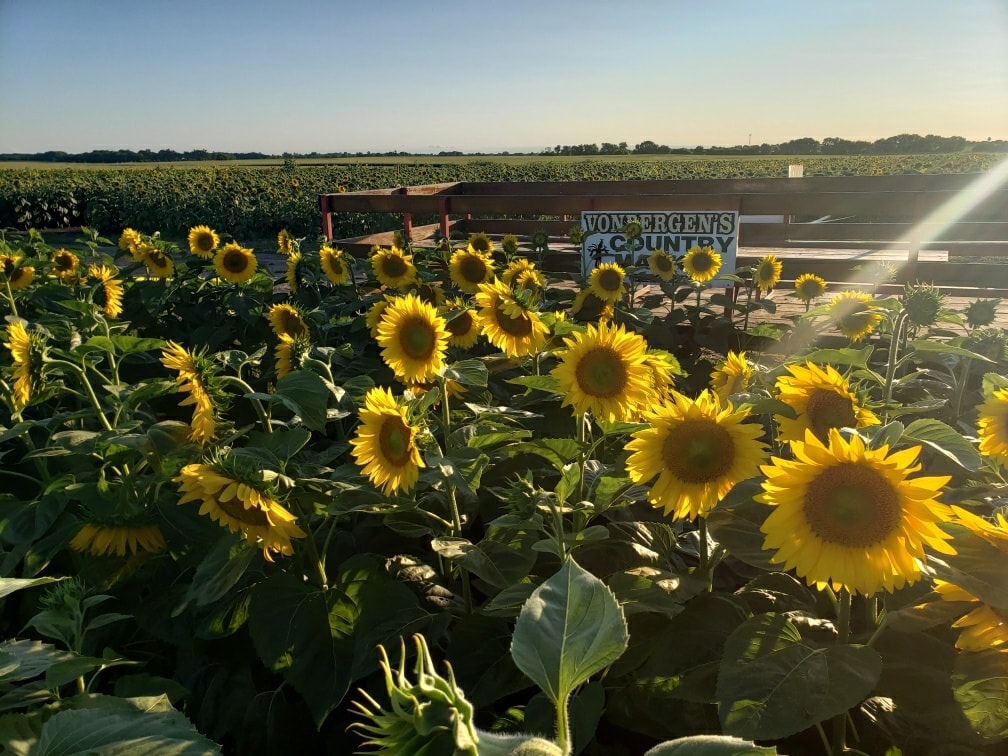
{"x": 698, "y": 451}
{"x": 851, "y": 505}
{"x": 827, "y": 409}
{"x": 251, "y": 517}
{"x": 291, "y": 323}
{"x": 461, "y": 324}
{"x": 394, "y": 266}
{"x": 395, "y": 441}
{"x": 204, "y": 242}
{"x": 601, "y": 372}
{"x": 236, "y": 261}
{"x": 663, "y": 263}
{"x": 702, "y": 262}
{"x": 417, "y": 338}
{"x": 610, "y": 280}
{"x": 519, "y": 327}
{"x": 473, "y": 269}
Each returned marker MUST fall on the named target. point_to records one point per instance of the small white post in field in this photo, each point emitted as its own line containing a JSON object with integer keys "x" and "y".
{"x": 795, "y": 170}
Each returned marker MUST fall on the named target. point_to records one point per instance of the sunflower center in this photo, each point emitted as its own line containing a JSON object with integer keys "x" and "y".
{"x": 766, "y": 272}
{"x": 290, "y": 322}
{"x": 417, "y": 339}
{"x": 64, "y": 262}
{"x": 337, "y": 266}
{"x": 8, "y": 266}
{"x": 252, "y": 517}
{"x": 473, "y": 269}
{"x": 698, "y": 451}
{"x": 663, "y": 263}
{"x": 851, "y": 505}
{"x": 395, "y": 439}
{"x": 809, "y": 290}
{"x": 827, "y": 409}
{"x": 601, "y": 372}
{"x": 519, "y": 327}
{"x": 205, "y": 243}
{"x": 702, "y": 263}
{"x": 610, "y": 280}
{"x": 393, "y": 267}
{"x": 461, "y": 324}
{"x": 235, "y": 262}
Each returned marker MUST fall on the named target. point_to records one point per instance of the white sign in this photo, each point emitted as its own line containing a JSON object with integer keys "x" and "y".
{"x": 674, "y": 231}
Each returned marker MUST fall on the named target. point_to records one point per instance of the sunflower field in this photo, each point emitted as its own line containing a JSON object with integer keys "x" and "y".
{"x": 439, "y": 501}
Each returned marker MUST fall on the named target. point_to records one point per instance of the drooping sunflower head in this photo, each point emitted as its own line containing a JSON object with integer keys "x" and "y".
{"x": 606, "y": 282}
{"x": 375, "y": 314}
{"x": 767, "y": 272}
{"x": 809, "y": 286}
{"x": 286, "y": 319}
{"x": 334, "y": 265}
{"x": 695, "y": 452}
{"x": 28, "y": 351}
{"x": 469, "y": 268}
{"x": 159, "y": 265}
{"x": 203, "y": 241}
{"x": 234, "y": 263}
{"x": 992, "y": 426}
{"x": 701, "y": 264}
{"x": 413, "y": 338}
{"x": 385, "y": 445}
{"x": 290, "y": 352}
{"x": 731, "y": 376}
{"x": 100, "y": 538}
{"x": 604, "y": 371}
{"x": 922, "y": 303}
{"x": 234, "y": 494}
{"x": 15, "y": 272}
{"x": 508, "y": 322}
{"x": 822, "y": 400}
{"x": 394, "y": 268}
{"x": 850, "y": 517}
{"x": 853, "y": 314}
{"x": 293, "y": 274}
{"x": 514, "y": 267}
{"x": 129, "y": 240}
{"x": 509, "y": 243}
{"x": 197, "y": 377}
{"x": 663, "y": 366}
{"x": 65, "y": 264}
{"x": 109, "y": 293}
{"x": 983, "y": 627}
{"x": 981, "y": 312}
{"x": 662, "y": 264}
{"x": 430, "y": 292}
{"x": 588, "y": 308}
{"x": 576, "y": 236}
{"x": 285, "y": 242}
{"x": 400, "y": 240}
{"x": 481, "y": 244}
{"x": 463, "y": 326}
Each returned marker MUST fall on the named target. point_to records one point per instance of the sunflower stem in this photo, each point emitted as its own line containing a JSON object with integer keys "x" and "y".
{"x": 10, "y": 297}
{"x": 82, "y": 374}
{"x": 456, "y": 529}
{"x": 967, "y": 364}
{"x": 824, "y": 737}
{"x": 705, "y": 556}
{"x": 256, "y": 404}
{"x": 837, "y": 744}
{"x": 901, "y": 320}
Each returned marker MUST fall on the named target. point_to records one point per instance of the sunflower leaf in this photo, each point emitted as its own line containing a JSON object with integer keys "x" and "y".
{"x": 710, "y": 745}
{"x": 981, "y": 689}
{"x": 945, "y": 440}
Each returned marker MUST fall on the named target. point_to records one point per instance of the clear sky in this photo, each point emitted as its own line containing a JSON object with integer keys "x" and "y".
{"x": 489, "y": 75}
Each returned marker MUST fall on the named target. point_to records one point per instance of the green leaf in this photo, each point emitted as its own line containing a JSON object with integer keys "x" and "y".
{"x": 10, "y": 585}
{"x": 773, "y": 684}
{"x": 710, "y": 745}
{"x": 219, "y": 572}
{"x": 570, "y": 628}
{"x": 837, "y": 357}
{"x": 981, "y": 688}
{"x": 944, "y": 348}
{"x": 540, "y": 382}
{"x": 944, "y": 439}
{"x": 467, "y": 372}
{"x": 25, "y": 659}
{"x": 305, "y": 394}
{"x": 114, "y": 731}
{"x": 557, "y": 451}
{"x": 993, "y": 382}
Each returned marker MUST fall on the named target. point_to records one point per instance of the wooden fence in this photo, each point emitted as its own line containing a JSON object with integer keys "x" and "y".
{"x": 950, "y": 230}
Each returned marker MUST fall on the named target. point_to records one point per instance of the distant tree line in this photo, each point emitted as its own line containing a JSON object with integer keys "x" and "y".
{"x": 902, "y": 144}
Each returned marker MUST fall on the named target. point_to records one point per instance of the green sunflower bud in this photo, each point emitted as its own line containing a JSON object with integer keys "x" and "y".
{"x": 981, "y": 312}
{"x": 922, "y": 302}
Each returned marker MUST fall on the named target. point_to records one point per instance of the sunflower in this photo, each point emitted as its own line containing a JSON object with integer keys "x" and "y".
{"x": 17, "y": 276}
{"x": 522, "y": 274}
{"x": 376, "y": 314}
{"x": 469, "y": 268}
{"x": 413, "y": 338}
{"x": 853, "y": 314}
{"x": 606, "y": 282}
{"x": 286, "y": 320}
{"x": 981, "y": 312}
{"x": 851, "y": 517}
{"x": 662, "y": 264}
{"x": 662, "y": 367}
{"x": 334, "y": 265}
{"x": 731, "y": 376}
{"x": 701, "y": 263}
{"x": 285, "y": 243}
{"x": 767, "y": 272}
{"x": 203, "y": 240}
{"x": 385, "y": 445}
{"x": 100, "y": 539}
{"x": 111, "y": 288}
{"x": 65, "y": 263}
{"x": 809, "y": 286}
{"x": 241, "y": 502}
{"x": 289, "y": 353}
{"x": 822, "y": 399}
{"x": 129, "y": 240}
{"x": 292, "y": 275}
{"x": 992, "y": 426}
{"x": 509, "y": 325}
{"x": 697, "y": 450}
{"x": 509, "y": 243}
{"x": 394, "y": 268}
{"x": 27, "y": 353}
{"x": 430, "y": 292}
{"x": 539, "y": 241}
{"x": 159, "y": 265}
{"x": 604, "y": 371}
{"x": 481, "y": 244}
{"x": 195, "y": 374}
{"x": 235, "y": 263}
{"x": 463, "y": 326}
{"x": 587, "y": 307}
{"x": 983, "y": 627}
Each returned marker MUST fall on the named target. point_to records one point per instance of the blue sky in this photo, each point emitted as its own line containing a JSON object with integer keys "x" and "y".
{"x": 434, "y": 75}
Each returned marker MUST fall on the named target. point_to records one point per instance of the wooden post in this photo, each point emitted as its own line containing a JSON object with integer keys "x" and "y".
{"x": 443, "y": 207}
{"x": 326, "y": 216}
{"x": 407, "y": 217}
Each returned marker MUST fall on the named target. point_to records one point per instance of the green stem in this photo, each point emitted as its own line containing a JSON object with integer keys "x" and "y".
{"x": 82, "y": 374}
{"x": 582, "y": 421}
{"x": 967, "y": 364}
{"x": 837, "y": 744}
{"x": 704, "y": 555}
{"x": 452, "y": 498}
{"x": 10, "y": 297}
{"x": 563, "y": 726}
{"x": 748, "y": 301}
{"x": 256, "y": 404}
{"x": 313, "y": 555}
{"x": 901, "y": 320}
